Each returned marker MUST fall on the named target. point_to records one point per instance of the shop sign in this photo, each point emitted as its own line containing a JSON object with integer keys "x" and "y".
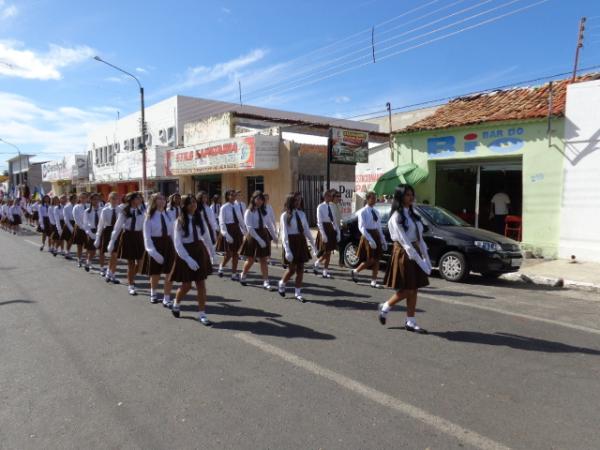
{"x": 348, "y": 146}
{"x": 495, "y": 141}
{"x": 346, "y": 188}
{"x": 233, "y": 154}
{"x": 55, "y": 170}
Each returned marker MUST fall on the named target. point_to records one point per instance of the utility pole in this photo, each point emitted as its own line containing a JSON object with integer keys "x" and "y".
{"x": 579, "y": 46}
{"x": 143, "y": 121}
{"x": 388, "y": 106}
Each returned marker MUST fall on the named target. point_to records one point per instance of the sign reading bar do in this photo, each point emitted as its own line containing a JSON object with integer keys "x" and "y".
{"x": 348, "y": 146}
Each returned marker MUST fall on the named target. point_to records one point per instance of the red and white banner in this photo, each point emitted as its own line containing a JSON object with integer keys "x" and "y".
{"x": 223, "y": 156}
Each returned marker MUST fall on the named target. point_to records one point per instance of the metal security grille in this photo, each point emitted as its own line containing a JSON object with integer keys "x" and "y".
{"x": 311, "y": 186}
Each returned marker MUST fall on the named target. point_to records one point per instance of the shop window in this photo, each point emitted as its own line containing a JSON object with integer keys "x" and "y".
{"x": 255, "y": 184}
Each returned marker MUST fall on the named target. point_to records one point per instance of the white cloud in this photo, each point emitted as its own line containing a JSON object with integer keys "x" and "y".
{"x": 342, "y": 99}
{"x": 33, "y": 65}
{"x": 48, "y": 133}
{"x": 7, "y": 11}
{"x": 207, "y": 75}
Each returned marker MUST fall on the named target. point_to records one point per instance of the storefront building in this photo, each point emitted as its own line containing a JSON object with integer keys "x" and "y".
{"x": 507, "y": 141}
{"x": 276, "y": 153}
{"x": 66, "y": 175}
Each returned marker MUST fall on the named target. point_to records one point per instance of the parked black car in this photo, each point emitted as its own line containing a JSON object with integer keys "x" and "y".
{"x": 455, "y": 247}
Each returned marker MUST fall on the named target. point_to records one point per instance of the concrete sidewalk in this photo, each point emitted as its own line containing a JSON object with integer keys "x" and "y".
{"x": 559, "y": 273}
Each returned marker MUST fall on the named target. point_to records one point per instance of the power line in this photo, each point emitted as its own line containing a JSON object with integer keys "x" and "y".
{"x": 308, "y": 82}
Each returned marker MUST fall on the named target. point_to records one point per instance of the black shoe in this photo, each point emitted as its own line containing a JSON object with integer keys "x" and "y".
{"x": 382, "y": 317}
{"x": 415, "y": 329}
{"x": 353, "y": 275}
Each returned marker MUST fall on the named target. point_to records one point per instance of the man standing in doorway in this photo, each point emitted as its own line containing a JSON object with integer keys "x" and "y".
{"x": 499, "y": 209}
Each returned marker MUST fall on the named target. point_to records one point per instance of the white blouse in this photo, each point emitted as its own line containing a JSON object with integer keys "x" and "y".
{"x": 252, "y": 222}
{"x": 366, "y": 222}
{"x": 226, "y": 217}
{"x": 292, "y": 228}
{"x": 402, "y": 237}
{"x": 90, "y": 223}
{"x": 180, "y": 239}
{"x": 78, "y": 211}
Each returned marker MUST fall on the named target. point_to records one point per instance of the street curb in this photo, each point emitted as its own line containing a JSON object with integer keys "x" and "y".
{"x": 554, "y": 282}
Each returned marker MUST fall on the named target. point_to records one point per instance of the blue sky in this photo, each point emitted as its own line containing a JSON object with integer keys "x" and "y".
{"x": 311, "y": 56}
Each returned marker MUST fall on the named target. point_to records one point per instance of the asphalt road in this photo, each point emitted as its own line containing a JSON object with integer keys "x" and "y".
{"x": 84, "y": 365}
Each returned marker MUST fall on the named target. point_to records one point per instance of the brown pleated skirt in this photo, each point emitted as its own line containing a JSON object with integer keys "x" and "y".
{"x": 182, "y": 273}
{"x": 164, "y": 246}
{"x": 236, "y": 233}
{"x": 79, "y": 236}
{"x": 89, "y": 242}
{"x": 66, "y": 233}
{"x": 404, "y": 273}
{"x": 299, "y": 249}
{"x": 365, "y": 252}
{"x": 105, "y": 238}
{"x": 55, "y": 236}
{"x": 331, "y": 244}
{"x": 131, "y": 245}
{"x": 252, "y": 249}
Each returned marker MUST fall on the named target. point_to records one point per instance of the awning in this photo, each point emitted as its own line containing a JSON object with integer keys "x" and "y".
{"x": 405, "y": 174}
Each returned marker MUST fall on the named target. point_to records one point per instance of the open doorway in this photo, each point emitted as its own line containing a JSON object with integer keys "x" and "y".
{"x": 466, "y": 189}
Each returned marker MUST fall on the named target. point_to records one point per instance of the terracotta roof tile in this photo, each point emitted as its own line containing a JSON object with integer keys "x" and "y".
{"x": 512, "y": 104}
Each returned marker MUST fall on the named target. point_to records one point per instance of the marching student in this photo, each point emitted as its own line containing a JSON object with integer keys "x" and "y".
{"x": 59, "y": 218}
{"x": 372, "y": 242}
{"x": 257, "y": 243}
{"x": 69, "y": 228}
{"x": 216, "y": 205}
{"x": 192, "y": 263}
{"x": 91, "y": 217}
{"x": 129, "y": 227}
{"x": 294, "y": 231}
{"x": 79, "y": 236}
{"x": 35, "y": 213}
{"x": 409, "y": 265}
{"x": 44, "y": 225}
{"x": 207, "y": 215}
{"x": 15, "y": 214}
{"x": 54, "y": 236}
{"x": 174, "y": 206}
{"x": 108, "y": 218}
{"x": 231, "y": 224}
{"x": 328, "y": 235}
{"x": 160, "y": 252}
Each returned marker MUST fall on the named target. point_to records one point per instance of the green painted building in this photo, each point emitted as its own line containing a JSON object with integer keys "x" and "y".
{"x": 511, "y": 141}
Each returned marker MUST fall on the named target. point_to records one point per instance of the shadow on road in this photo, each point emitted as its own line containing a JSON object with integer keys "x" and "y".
{"x": 274, "y": 327}
{"x": 10, "y": 302}
{"x": 513, "y": 341}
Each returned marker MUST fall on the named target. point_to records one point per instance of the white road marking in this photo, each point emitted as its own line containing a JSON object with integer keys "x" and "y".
{"x": 515, "y": 314}
{"x": 462, "y": 434}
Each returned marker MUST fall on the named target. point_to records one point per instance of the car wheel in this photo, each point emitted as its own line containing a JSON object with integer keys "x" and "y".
{"x": 351, "y": 255}
{"x": 453, "y": 266}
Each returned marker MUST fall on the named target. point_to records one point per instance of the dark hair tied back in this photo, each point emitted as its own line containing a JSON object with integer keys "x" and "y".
{"x": 398, "y": 205}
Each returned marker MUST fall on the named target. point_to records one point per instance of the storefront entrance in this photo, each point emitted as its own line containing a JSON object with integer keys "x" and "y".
{"x": 208, "y": 183}
{"x": 466, "y": 189}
